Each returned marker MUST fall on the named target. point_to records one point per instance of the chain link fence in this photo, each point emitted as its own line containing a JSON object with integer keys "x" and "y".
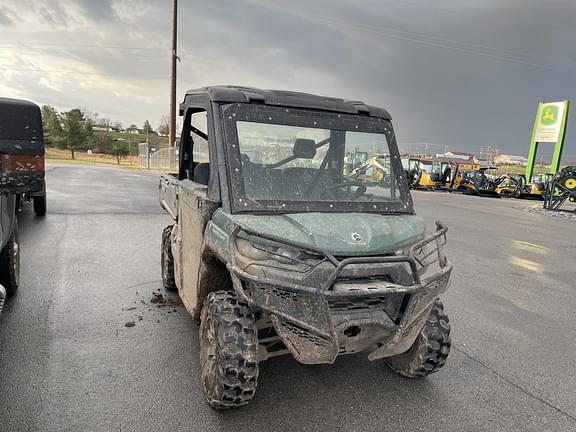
{"x": 153, "y": 157}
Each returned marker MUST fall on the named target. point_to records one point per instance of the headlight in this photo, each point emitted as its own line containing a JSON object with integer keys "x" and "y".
{"x": 265, "y": 249}
{"x": 287, "y": 255}
{"x": 249, "y": 250}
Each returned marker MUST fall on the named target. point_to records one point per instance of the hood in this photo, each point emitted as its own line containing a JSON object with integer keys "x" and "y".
{"x": 342, "y": 234}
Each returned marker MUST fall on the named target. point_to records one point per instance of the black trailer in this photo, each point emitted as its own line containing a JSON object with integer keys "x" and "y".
{"x": 21, "y": 178}
{"x": 22, "y": 152}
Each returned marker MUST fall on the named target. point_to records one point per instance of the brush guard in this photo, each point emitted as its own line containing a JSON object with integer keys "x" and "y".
{"x": 311, "y": 321}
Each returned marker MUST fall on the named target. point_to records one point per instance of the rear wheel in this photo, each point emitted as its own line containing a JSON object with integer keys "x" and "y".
{"x": 39, "y": 204}
{"x": 570, "y": 183}
{"x": 10, "y": 264}
{"x": 228, "y": 348}
{"x": 430, "y": 350}
{"x": 167, "y": 260}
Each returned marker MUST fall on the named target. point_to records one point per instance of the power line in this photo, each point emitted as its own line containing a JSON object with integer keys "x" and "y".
{"x": 79, "y": 73}
{"x": 88, "y": 54}
{"x": 405, "y": 36}
{"x": 390, "y": 33}
{"x": 93, "y": 46}
{"x": 531, "y": 26}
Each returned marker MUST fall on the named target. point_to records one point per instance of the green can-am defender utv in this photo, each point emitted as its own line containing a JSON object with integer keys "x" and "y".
{"x": 276, "y": 250}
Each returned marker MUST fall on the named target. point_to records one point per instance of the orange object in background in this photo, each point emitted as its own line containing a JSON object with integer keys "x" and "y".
{"x": 21, "y": 163}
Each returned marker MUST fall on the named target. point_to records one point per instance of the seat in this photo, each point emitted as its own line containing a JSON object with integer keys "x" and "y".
{"x": 202, "y": 173}
{"x": 296, "y": 181}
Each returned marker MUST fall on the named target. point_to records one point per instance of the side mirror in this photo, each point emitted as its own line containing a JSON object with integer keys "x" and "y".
{"x": 304, "y": 148}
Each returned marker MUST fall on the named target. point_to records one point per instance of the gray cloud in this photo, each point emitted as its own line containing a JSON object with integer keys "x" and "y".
{"x": 459, "y": 74}
{"x": 7, "y": 16}
{"x": 53, "y": 14}
{"x": 100, "y": 11}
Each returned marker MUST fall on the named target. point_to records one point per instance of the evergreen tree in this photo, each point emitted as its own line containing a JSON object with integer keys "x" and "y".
{"x": 52, "y": 125}
{"x": 147, "y": 128}
{"x": 75, "y": 133}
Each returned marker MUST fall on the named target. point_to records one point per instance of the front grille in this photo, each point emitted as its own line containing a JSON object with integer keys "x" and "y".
{"x": 303, "y": 335}
{"x": 358, "y": 303}
{"x": 391, "y": 304}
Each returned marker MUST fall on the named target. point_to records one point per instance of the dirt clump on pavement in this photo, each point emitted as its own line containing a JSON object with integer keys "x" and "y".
{"x": 160, "y": 300}
{"x": 562, "y": 214}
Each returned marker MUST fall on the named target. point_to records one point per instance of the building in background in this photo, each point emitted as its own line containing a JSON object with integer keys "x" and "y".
{"x": 458, "y": 155}
{"x": 504, "y": 159}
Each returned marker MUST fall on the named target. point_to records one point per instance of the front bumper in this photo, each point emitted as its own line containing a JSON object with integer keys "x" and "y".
{"x": 318, "y": 323}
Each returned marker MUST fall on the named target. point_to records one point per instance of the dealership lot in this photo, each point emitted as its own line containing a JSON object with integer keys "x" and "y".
{"x": 91, "y": 267}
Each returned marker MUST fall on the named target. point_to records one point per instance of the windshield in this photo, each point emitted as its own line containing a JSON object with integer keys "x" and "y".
{"x": 290, "y": 163}
{"x": 285, "y": 163}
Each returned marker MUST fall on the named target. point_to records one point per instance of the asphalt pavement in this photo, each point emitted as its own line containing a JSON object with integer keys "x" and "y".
{"x": 68, "y": 362}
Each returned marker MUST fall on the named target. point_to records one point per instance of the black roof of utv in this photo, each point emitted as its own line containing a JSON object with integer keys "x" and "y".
{"x": 232, "y": 94}
{"x": 20, "y": 120}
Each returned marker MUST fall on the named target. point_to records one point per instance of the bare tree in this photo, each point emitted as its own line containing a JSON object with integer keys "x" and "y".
{"x": 163, "y": 127}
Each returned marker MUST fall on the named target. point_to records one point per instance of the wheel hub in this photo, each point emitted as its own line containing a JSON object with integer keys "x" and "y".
{"x": 570, "y": 183}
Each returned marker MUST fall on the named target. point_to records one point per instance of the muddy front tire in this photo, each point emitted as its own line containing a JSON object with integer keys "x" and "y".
{"x": 430, "y": 350}
{"x": 10, "y": 264}
{"x": 167, "y": 260}
{"x": 228, "y": 348}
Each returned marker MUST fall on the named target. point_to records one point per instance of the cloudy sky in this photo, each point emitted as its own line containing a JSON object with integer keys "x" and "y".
{"x": 459, "y": 73}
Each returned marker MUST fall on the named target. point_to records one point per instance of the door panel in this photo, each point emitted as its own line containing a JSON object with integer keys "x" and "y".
{"x": 192, "y": 222}
{"x": 169, "y": 194}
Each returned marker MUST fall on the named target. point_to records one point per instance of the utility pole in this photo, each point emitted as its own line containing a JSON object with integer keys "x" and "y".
{"x": 173, "y": 58}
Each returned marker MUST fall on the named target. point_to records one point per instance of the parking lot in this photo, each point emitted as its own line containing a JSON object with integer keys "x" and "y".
{"x": 68, "y": 362}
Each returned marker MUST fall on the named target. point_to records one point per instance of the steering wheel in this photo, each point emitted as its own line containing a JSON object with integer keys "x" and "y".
{"x": 347, "y": 185}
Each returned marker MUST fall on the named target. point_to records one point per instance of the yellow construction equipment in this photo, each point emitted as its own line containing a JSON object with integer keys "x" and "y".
{"x": 420, "y": 173}
{"x": 375, "y": 169}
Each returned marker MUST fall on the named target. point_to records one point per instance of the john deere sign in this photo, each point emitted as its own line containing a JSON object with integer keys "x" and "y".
{"x": 550, "y": 121}
{"x": 549, "y": 127}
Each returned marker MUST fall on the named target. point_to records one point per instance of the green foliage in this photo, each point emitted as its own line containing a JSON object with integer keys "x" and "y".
{"x": 101, "y": 142}
{"x": 75, "y": 131}
{"x": 88, "y": 127}
{"x": 147, "y": 128}
{"x": 120, "y": 149}
{"x": 51, "y": 123}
